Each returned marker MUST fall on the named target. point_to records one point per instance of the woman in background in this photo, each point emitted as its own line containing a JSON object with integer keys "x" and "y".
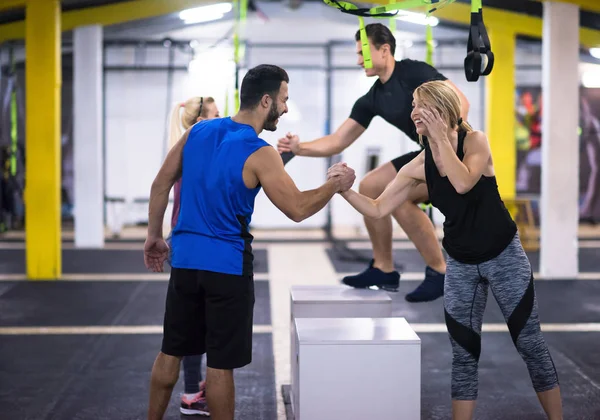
{"x": 194, "y": 110}
{"x": 183, "y": 116}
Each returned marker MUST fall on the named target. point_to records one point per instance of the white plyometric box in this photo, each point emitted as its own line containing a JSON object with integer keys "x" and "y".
{"x": 338, "y": 301}
{"x": 357, "y": 368}
{"x": 332, "y": 301}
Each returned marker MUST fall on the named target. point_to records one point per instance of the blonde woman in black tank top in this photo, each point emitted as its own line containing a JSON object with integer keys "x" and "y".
{"x": 481, "y": 240}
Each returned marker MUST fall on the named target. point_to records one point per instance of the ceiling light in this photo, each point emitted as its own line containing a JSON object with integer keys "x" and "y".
{"x": 418, "y": 18}
{"x": 205, "y": 13}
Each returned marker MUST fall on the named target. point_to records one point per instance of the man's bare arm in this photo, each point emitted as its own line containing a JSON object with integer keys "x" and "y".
{"x": 168, "y": 174}
{"x": 334, "y": 143}
{"x": 279, "y": 187}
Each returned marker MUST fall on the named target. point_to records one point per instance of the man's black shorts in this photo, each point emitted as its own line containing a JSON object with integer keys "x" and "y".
{"x": 400, "y": 161}
{"x": 210, "y": 313}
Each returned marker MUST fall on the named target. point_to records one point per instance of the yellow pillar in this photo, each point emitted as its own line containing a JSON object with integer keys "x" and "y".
{"x": 500, "y": 110}
{"x": 42, "y": 139}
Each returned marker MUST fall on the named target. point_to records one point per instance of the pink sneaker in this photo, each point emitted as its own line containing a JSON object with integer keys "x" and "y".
{"x": 196, "y": 406}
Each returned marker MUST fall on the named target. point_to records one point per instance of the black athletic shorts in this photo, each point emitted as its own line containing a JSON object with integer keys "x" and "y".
{"x": 212, "y": 313}
{"x": 400, "y": 161}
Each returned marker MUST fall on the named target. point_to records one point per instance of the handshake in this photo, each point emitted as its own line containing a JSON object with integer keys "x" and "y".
{"x": 343, "y": 175}
{"x": 339, "y": 173}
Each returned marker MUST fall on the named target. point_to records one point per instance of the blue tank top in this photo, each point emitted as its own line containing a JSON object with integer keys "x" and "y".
{"x": 212, "y": 231}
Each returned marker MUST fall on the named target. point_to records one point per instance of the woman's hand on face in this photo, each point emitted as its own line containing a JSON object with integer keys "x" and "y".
{"x": 436, "y": 126}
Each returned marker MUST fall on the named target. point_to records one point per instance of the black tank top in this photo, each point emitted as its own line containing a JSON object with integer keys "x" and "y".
{"x": 478, "y": 226}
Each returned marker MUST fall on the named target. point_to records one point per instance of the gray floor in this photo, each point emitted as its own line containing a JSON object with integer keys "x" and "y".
{"x": 97, "y": 303}
{"x": 505, "y": 390}
{"x": 411, "y": 261}
{"x": 107, "y": 261}
{"x": 105, "y": 376}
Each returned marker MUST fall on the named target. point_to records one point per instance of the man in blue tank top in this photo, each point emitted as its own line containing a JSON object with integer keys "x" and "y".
{"x": 210, "y": 299}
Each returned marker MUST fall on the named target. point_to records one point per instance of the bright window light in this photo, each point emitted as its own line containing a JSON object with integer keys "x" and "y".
{"x": 595, "y": 52}
{"x": 591, "y": 79}
{"x": 211, "y": 61}
{"x": 205, "y": 13}
{"x": 418, "y": 18}
{"x": 293, "y": 114}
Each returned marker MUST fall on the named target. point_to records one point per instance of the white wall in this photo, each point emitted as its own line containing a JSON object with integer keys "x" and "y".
{"x": 136, "y": 126}
{"x": 137, "y": 112}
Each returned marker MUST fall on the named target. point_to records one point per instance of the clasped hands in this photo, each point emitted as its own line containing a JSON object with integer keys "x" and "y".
{"x": 343, "y": 175}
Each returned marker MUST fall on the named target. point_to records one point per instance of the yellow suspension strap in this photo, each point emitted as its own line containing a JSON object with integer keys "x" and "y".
{"x": 241, "y": 8}
{"x": 364, "y": 42}
{"x": 226, "y": 111}
{"x": 429, "y": 45}
{"x": 236, "y": 52}
{"x": 392, "y": 21}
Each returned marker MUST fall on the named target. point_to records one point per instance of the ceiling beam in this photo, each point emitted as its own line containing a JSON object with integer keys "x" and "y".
{"x": 107, "y": 15}
{"x": 12, "y": 4}
{"x": 587, "y": 5}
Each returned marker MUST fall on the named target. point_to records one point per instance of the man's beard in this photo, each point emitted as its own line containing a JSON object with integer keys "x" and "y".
{"x": 271, "y": 120}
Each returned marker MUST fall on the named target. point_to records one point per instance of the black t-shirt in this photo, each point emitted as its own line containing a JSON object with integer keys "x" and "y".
{"x": 392, "y": 100}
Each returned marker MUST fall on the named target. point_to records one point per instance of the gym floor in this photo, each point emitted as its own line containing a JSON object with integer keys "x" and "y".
{"x": 83, "y": 347}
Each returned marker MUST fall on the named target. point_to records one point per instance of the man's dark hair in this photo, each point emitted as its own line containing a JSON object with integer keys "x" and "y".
{"x": 261, "y": 80}
{"x": 379, "y": 34}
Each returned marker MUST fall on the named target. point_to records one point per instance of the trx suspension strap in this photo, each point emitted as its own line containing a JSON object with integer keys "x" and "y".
{"x": 392, "y": 21}
{"x": 226, "y": 111}
{"x": 236, "y": 52}
{"x": 241, "y": 8}
{"x": 364, "y": 42}
{"x": 478, "y": 45}
{"x": 429, "y": 45}
{"x": 428, "y": 208}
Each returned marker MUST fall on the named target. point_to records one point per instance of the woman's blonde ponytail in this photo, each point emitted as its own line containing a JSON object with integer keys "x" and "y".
{"x": 464, "y": 126}
{"x": 184, "y": 115}
{"x": 175, "y": 131}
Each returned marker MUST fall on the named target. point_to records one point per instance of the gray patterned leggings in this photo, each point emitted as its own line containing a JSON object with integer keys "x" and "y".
{"x": 465, "y": 296}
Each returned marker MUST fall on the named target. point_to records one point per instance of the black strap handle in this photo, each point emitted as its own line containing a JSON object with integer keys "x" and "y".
{"x": 364, "y": 12}
{"x": 286, "y": 157}
{"x": 478, "y": 45}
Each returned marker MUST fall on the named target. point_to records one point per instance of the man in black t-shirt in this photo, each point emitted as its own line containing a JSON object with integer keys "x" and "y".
{"x": 390, "y": 97}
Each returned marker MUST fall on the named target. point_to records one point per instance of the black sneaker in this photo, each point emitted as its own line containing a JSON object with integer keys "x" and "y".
{"x": 431, "y": 288}
{"x": 374, "y": 277}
